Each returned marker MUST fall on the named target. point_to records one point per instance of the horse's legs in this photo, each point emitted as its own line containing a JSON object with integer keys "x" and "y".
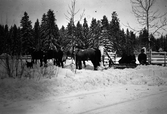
{"x": 76, "y": 62}
{"x": 41, "y": 62}
{"x": 84, "y": 63}
{"x": 94, "y": 62}
{"x": 54, "y": 62}
{"x": 45, "y": 61}
{"x": 80, "y": 64}
{"x": 61, "y": 62}
{"x": 32, "y": 60}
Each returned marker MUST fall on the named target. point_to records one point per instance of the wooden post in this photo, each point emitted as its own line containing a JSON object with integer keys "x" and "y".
{"x": 165, "y": 59}
{"x": 150, "y": 56}
{"x": 102, "y": 48}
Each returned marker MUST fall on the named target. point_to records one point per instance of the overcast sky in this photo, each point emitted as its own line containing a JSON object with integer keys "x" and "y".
{"x": 11, "y": 11}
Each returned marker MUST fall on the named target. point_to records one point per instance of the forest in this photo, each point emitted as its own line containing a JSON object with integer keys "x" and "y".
{"x": 19, "y": 40}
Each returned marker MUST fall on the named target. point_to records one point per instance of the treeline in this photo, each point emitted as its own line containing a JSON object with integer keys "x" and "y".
{"x": 19, "y": 40}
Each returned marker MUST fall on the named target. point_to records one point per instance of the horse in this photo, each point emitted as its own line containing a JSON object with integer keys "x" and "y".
{"x": 80, "y": 54}
{"x": 43, "y": 56}
{"x": 71, "y": 52}
{"x": 92, "y": 54}
{"x": 56, "y": 55}
{"x": 29, "y": 64}
{"x": 37, "y": 55}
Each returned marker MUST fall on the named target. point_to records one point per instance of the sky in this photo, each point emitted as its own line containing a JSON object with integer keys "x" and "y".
{"x": 11, "y": 11}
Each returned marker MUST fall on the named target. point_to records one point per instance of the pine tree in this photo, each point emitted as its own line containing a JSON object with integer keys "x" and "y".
{"x": 2, "y": 39}
{"x": 95, "y": 32}
{"x": 43, "y": 29}
{"x": 143, "y": 38}
{"x": 63, "y": 38}
{"x": 115, "y": 33}
{"x": 14, "y": 41}
{"x": 85, "y": 33}
{"x": 6, "y": 40}
{"x": 49, "y": 31}
{"x": 71, "y": 34}
{"x": 36, "y": 35}
{"x": 26, "y": 34}
{"x": 153, "y": 42}
{"x": 79, "y": 35}
{"x": 104, "y": 38}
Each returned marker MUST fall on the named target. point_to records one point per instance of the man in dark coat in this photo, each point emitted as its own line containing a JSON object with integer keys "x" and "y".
{"x": 142, "y": 58}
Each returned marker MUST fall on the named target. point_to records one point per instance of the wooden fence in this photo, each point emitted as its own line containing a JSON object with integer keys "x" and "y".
{"x": 158, "y": 58}
{"x": 23, "y": 57}
{"x": 110, "y": 55}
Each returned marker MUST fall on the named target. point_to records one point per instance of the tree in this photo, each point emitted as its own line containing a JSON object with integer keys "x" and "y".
{"x": 71, "y": 25}
{"x": 26, "y": 34}
{"x": 70, "y": 33}
{"x": 143, "y": 38}
{"x": 14, "y": 42}
{"x": 95, "y": 32}
{"x": 104, "y": 38}
{"x": 85, "y": 33}
{"x": 36, "y": 31}
{"x": 49, "y": 31}
{"x": 43, "y": 30}
{"x": 3, "y": 41}
{"x": 148, "y": 17}
{"x": 63, "y": 39}
{"x": 130, "y": 41}
{"x": 105, "y": 23}
{"x": 116, "y": 36}
{"x": 79, "y": 34}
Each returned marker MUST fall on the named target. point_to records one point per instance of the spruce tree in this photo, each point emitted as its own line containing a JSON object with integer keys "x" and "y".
{"x": 36, "y": 35}
{"x": 63, "y": 38}
{"x": 14, "y": 41}
{"x": 79, "y": 35}
{"x": 104, "y": 38}
{"x": 85, "y": 33}
{"x": 115, "y": 33}
{"x": 49, "y": 31}
{"x": 95, "y": 32}
{"x": 26, "y": 34}
{"x": 71, "y": 34}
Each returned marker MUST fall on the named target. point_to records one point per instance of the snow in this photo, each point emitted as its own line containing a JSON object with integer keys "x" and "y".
{"x": 64, "y": 90}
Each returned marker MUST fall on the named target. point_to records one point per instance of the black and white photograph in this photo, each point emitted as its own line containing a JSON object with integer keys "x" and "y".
{"x": 83, "y": 56}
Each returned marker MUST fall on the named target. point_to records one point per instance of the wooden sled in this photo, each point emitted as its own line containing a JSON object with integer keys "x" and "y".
{"x": 122, "y": 66}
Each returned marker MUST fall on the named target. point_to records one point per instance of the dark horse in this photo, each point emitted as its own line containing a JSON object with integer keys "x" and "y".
{"x": 37, "y": 55}
{"x": 92, "y": 54}
{"x": 56, "y": 55}
{"x": 43, "y": 56}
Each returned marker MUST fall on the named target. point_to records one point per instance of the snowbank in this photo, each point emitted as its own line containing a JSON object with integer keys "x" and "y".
{"x": 58, "y": 81}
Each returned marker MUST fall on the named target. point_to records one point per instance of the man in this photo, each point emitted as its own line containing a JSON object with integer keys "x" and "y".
{"x": 142, "y": 58}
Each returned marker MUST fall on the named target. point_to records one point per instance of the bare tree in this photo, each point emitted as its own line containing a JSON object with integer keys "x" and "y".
{"x": 149, "y": 17}
{"x": 70, "y": 18}
{"x": 72, "y": 12}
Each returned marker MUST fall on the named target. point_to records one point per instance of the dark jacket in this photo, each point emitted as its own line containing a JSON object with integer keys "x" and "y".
{"x": 142, "y": 58}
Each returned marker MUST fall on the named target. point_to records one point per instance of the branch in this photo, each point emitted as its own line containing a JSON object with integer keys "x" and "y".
{"x": 132, "y": 29}
{"x": 146, "y": 17}
{"x": 81, "y": 16}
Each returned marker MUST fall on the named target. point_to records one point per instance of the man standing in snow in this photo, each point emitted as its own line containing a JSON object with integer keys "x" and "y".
{"x": 142, "y": 58}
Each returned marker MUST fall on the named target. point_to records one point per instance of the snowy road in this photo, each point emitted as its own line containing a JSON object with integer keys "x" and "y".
{"x": 142, "y": 90}
{"x": 151, "y": 104}
{"x": 116, "y": 100}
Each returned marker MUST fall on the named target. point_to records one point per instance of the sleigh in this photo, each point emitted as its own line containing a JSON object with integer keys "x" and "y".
{"x": 110, "y": 61}
{"x": 122, "y": 66}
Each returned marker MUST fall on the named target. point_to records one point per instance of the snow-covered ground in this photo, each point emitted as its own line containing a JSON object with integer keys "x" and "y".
{"x": 141, "y": 90}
